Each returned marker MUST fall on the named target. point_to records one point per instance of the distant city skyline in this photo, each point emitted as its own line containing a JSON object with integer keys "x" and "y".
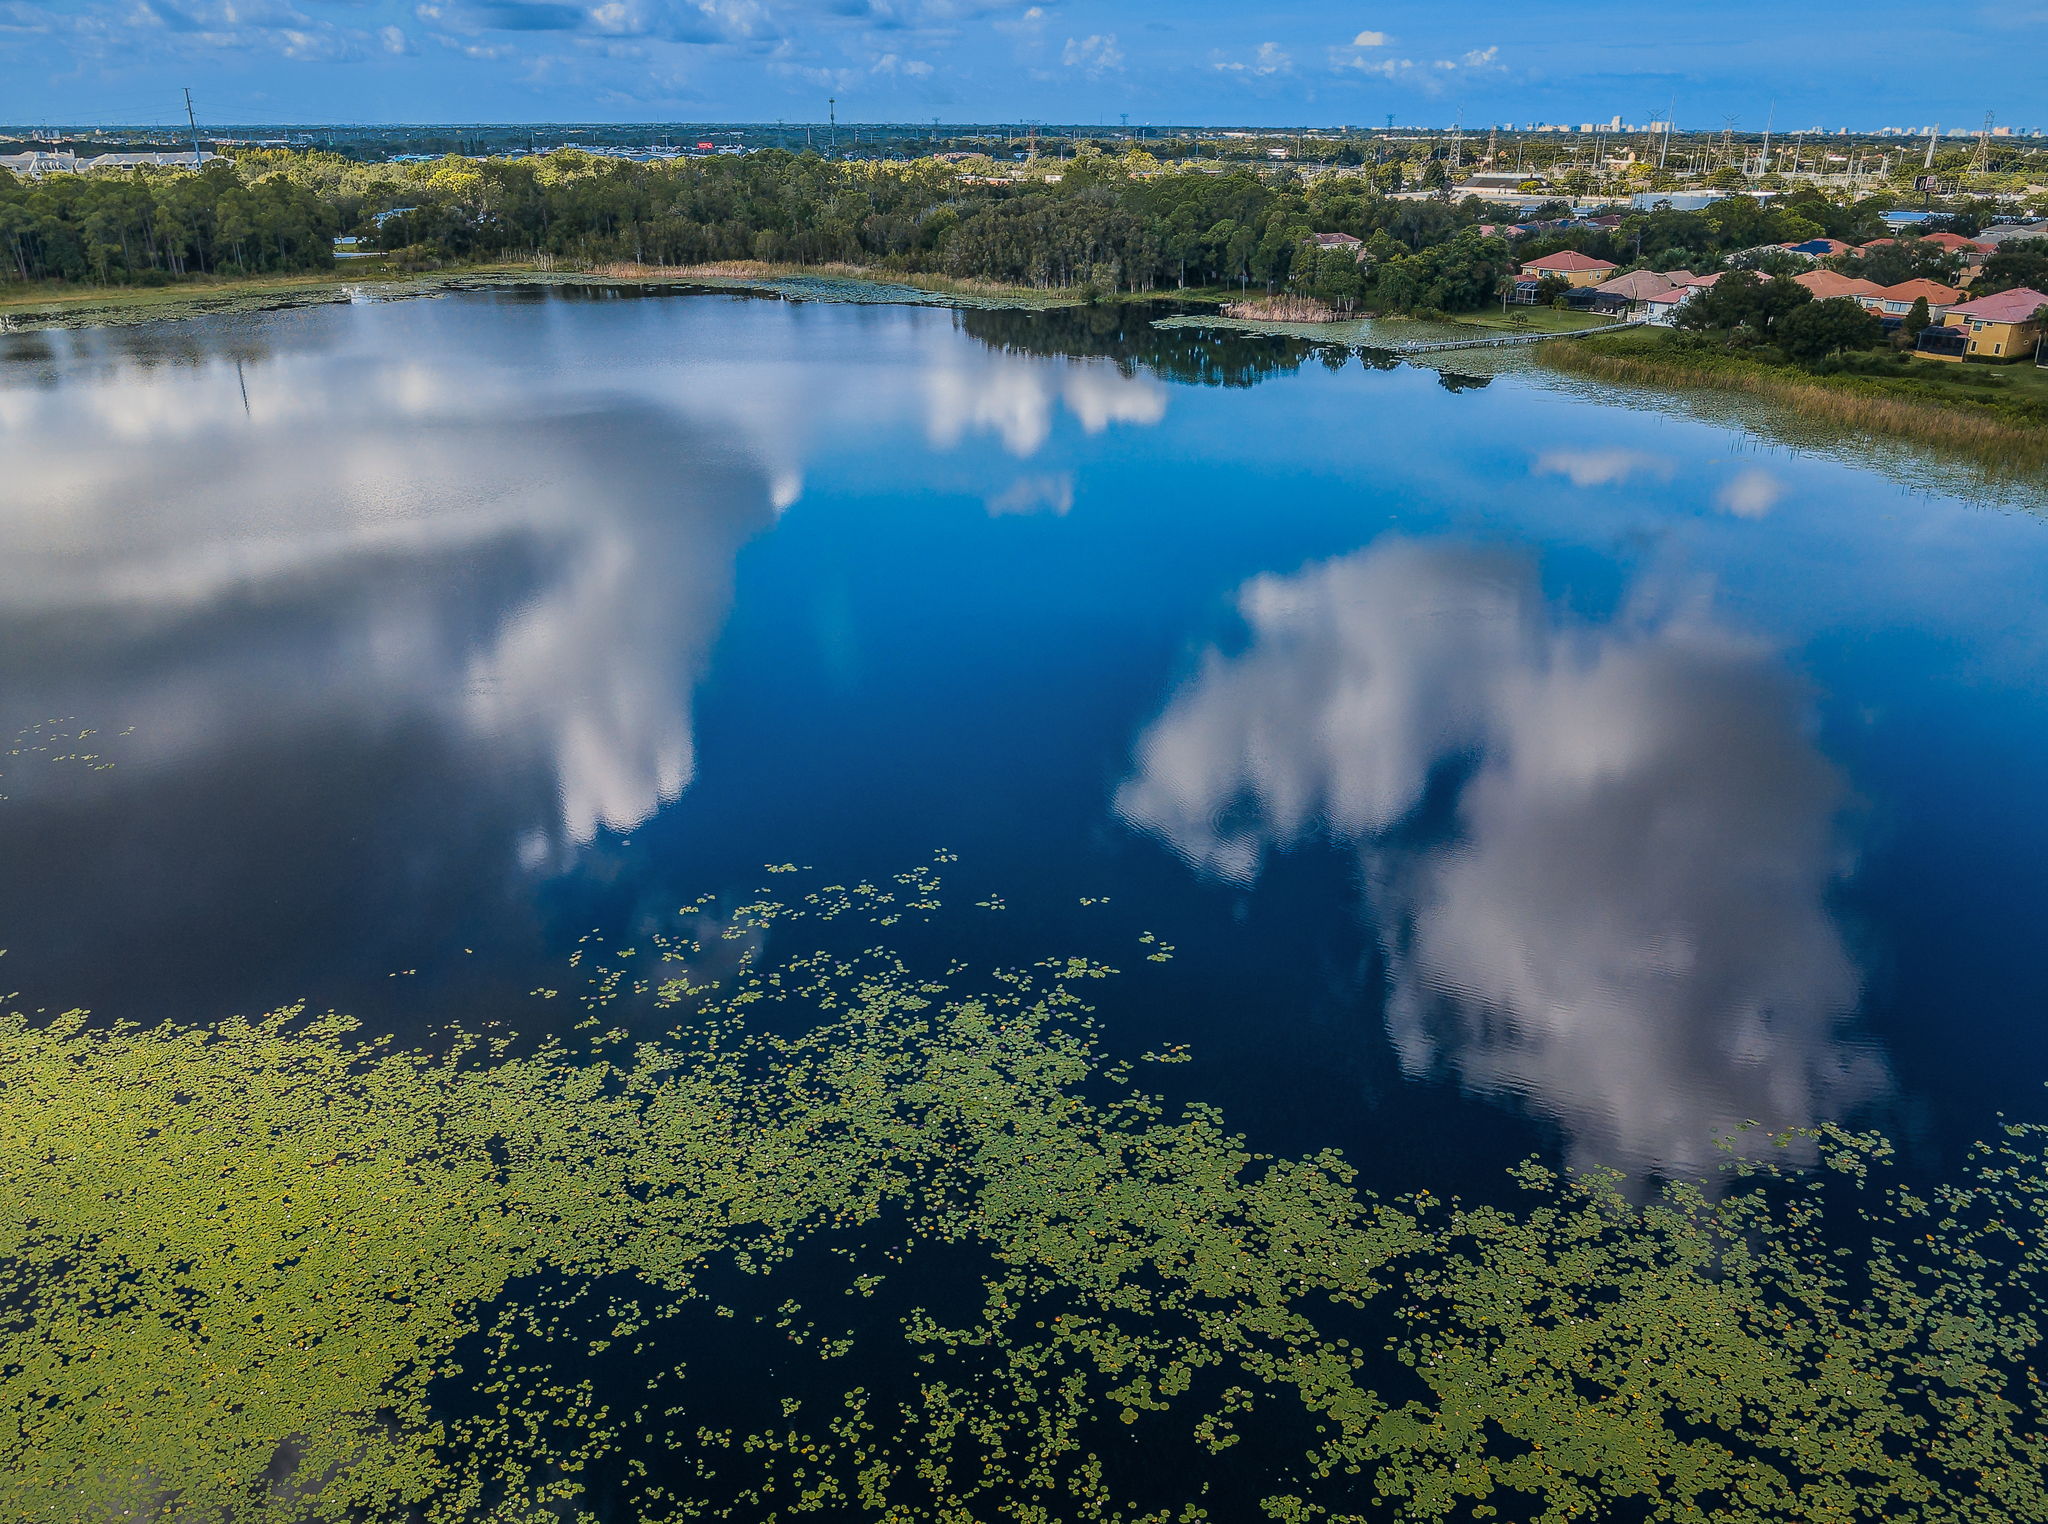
{"x": 1316, "y": 64}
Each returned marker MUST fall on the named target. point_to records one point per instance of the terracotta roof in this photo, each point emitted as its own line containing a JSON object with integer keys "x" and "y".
{"x": 1957, "y": 241}
{"x": 1334, "y": 240}
{"x": 1637, "y": 285}
{"x": 1936, "y": 293}
{"x": 1569, "y": 259}
{"x": 1675, "y": 294}
{"x": 1876, "y": 243}
{"x": 2015, "y": 306}
{"x": 1826, "y": 283}
{"x": 1696, "y": 280}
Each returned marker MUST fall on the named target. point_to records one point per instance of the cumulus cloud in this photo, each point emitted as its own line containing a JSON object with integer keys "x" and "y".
{"x": 195, "y": 28}
{"x": 1627, "y": 927}
{"x": 1267, "y": 59}
{"x": 1094, "y": 55}
{"x": 1428, "y": 74}
{"x": 1370, "y": 40}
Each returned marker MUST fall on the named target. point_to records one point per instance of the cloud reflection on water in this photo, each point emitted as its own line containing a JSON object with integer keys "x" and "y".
{"x": 413, "y": 539}
{"x": 1627, "y": 922}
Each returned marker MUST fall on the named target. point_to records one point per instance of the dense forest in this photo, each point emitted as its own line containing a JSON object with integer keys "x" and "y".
{"x": 1108, "y": 222}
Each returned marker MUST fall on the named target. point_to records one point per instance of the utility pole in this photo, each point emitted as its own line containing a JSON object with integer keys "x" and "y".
{"x": 1763, "y": 165}
{"x": 193, "y": 122}
{"x": 1664, "y": 151}
{"x": 1932, "y": 133}
{"x": 832, "y": 120}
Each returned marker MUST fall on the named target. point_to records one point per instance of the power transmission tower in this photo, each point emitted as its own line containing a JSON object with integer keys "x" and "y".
{"x": 1932, "y": 133}
{"x": 1982, "y": 159}
{"x": 1492, "y": 144}
{"x": 832, "y": 119}
{"x": 193, "y": 122}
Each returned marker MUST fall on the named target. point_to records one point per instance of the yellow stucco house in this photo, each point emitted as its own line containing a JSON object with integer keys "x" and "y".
{"x": 2004, "y": 326}
{"x": 1571, "y": 266}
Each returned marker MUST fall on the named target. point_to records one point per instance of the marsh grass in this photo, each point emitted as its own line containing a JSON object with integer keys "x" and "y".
{"x": 2003, "y": 432}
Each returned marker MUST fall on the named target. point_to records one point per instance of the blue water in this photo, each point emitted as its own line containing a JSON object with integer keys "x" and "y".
{"x": 1510, "y": 771}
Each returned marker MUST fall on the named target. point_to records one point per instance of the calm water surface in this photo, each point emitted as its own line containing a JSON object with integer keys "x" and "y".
{"x": 1511, "y": 772}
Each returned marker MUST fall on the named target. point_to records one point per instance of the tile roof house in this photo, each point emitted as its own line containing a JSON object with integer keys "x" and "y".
{"x": 1663, "y": 307}
{"x": 2003, "y": 326}
{"x": 1572, "y": 266}
{"x": 1896, "y": 301}
{"x": 1826, "y": 283}
{"x": 1335, "y": 241}
{"x": 2012, "y": 232}
{"x": 1636, "y": 286}
{"x": 1956, "y": 243}
{"x": 1817, "y": 248}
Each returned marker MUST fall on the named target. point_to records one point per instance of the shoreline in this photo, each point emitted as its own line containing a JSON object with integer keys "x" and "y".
{"x": 122, "y": 306}
{"x": 2001, "y": 443}
{"x": 2000, "y": 448}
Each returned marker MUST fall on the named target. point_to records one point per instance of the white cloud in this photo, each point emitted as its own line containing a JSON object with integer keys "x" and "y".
{"x": 1267, "y": 59}
{"x": 1094, "y": 56}
{"x": 1371, "y": 40}
{"x": 1427, "y": 74}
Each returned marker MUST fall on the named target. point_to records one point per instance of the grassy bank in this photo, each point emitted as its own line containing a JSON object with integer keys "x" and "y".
{"x": 67, "y": 306}
{"x": 1995, "y": 415}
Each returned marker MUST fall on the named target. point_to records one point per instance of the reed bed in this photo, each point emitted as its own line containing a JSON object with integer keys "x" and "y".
{"x": 2002, "y": 443}
{"x": 1285, "y": 309}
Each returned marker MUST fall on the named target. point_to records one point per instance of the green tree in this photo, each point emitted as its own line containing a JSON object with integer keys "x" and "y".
{"x": 1815, "y": 330}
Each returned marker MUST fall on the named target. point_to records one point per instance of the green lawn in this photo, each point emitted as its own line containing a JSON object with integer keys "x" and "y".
{"x": 1534, "y": 320}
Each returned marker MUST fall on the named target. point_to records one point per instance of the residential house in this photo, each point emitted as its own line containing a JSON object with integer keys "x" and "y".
{"x": 2012, "y": 232}
{"x": 1335, "y": 241}
{"x": 1662, "y": 308}
{"x": 2003, "y": 326}
{"x": 1625, "y": 292}
{"x": 181, "y": 159}
{"x": 1897, "y": 301}
{"x": 39, "y": 162}
{"x": 1818, "y": 248}
{"x": 1956, "y": 243}
{"x": 1570, "y": 266}
{"x": 1825, "y": 284}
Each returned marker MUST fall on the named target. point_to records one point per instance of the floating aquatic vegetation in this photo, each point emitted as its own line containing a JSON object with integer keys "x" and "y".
{"x": 276, "y": 1271}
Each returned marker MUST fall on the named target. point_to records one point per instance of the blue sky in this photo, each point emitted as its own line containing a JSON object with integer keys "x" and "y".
{"x": 1314, "y": 62}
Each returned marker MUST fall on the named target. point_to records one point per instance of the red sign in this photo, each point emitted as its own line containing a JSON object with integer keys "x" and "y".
{"x": 706, "y": 147}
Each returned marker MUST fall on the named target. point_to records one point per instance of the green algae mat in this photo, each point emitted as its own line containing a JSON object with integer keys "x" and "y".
{"x": 838, "y": 1237}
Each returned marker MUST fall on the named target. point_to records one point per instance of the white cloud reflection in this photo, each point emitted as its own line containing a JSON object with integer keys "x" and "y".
{"x": 550, "y": 585}
{"x": 1017, "y": 402}
{"x": 1627, "y": 924}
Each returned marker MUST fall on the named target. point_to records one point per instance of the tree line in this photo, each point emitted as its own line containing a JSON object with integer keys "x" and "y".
{"x": 1114, "y": 223}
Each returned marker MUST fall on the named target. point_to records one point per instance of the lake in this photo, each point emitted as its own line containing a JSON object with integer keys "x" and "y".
{"x": 1503, "y": 772}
